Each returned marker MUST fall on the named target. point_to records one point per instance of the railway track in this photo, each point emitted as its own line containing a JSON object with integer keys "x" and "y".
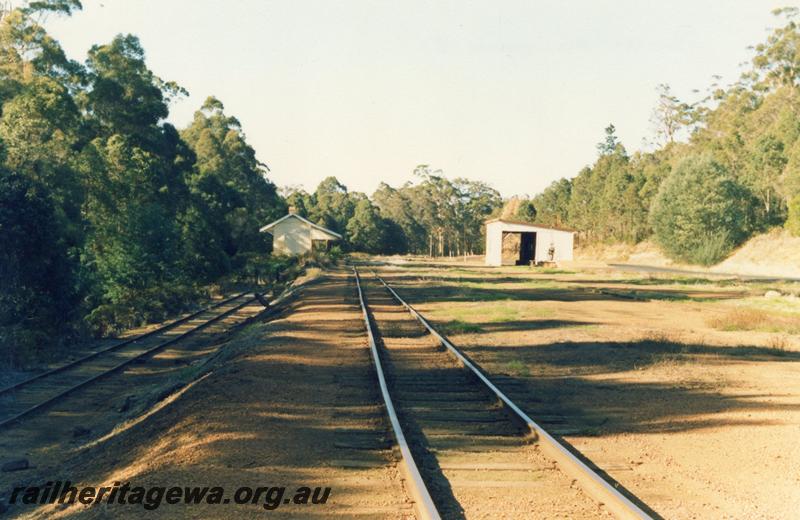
{"x": 467, "y": 449}
{"x": 33, "y": 395}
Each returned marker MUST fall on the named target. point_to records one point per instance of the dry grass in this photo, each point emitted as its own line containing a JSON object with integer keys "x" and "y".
{"x": 740, "y": 319}
{"x": 779, "y": 343}
{"x": 755, "y": 320}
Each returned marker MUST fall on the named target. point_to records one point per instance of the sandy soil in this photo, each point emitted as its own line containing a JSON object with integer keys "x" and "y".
{"x": 775, "y": 253}
{"x": 695, "y": 421}
{"x": 291, "y": 404}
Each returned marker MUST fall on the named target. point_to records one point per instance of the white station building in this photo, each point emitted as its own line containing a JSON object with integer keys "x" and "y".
{"x": 295, "y": 235}
{"x": 509, "y": 242}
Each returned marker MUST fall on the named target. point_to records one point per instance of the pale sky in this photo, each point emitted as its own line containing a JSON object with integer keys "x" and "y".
{"x": 515, "y": 93}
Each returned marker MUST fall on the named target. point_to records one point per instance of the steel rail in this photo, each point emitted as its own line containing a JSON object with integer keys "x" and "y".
{"x": 591, "y": 482}
{"x": 119, "y": 345}
{"x": 425, "y": 508}
{"x": 127, "y": 362}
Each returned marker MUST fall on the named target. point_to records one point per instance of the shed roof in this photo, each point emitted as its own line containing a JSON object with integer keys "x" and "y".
{"x": 529, "y": 224}
{"x": 271, "y": 225}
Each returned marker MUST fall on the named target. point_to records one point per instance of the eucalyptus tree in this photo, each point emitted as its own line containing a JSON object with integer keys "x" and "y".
{"x": 231, "y": 194}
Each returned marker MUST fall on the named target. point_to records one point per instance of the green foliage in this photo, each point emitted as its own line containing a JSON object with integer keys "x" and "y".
{"x": 752, "y": 130}
{"x": 131, "y": 216}
{"x": 52, "y": 6}
{"x": 553, "y": 203}
{"x": 125, "y": 96}
{"x": 610, "y": 144}
{"x": 37, "y": 279}
{"x": 778, "y": 59}
{"x": 607, "y": 201}
{"x": 526, "y": 211}
{"x": 333, "y": 206}
{"x": 460, "y": 327}
{"x": 671, "y": 115}
{"x": 701, "y": 213}
{"x": 365, "y": 230}
{"x": 229, "y": 191}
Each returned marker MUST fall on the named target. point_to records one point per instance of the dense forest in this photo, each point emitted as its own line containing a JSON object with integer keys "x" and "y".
{"x": 110, "y": 216}
{"x": 726, "y": 166}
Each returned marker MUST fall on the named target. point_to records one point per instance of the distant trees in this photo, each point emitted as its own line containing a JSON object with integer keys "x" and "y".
{"x": 793, "y": 221}
{"x": 366, "y": 230}
{"x": 439, "y": 216}
{"x": 526, "y": 211}
{"x": 670, "y": 115}
{"x": 552, "y": 205}
{"x": 435, "y": 216}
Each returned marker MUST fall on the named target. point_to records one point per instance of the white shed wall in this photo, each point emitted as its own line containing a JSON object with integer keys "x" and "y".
{"x": 494, "y": 245}
{"x": 291, "y": 237}
{"x": 561, "y": 242}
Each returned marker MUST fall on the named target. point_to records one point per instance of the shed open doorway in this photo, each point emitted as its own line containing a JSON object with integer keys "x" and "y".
{"x": 519, "y": 248}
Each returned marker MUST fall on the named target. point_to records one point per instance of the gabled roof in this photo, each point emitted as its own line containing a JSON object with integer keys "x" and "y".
{"x": 271, "y": 225}
{"x": 529, "y": 224}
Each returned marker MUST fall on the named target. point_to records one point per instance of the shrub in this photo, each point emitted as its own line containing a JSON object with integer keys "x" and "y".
{"x": 700, "y": 213}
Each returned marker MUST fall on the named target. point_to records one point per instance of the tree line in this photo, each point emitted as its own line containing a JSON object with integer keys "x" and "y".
{"x": 726, "y": 167}
{"x": 111, "y": 217}
{"x": 433, "y": 216}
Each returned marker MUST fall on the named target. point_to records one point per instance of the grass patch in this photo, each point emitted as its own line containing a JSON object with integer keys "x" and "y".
{"x": 522, "y": 284}
{"x": 745, "y": 319}
{"x": 499, "y": 312}
{"x": 780, "y": 344}
{"x": 647, "y": 295}
{"x": 678, "y": 280}
{"x": 553, "y": 270}
{"x": 740, "y": 319}
{"x": 460, "y": 327}
{"x": 517, "y": 368}
{"x": 587, "y": 328}
{"x": 781, "y": 304}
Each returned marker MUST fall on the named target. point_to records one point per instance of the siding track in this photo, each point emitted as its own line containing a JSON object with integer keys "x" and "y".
{"x": 23, "y": 399}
